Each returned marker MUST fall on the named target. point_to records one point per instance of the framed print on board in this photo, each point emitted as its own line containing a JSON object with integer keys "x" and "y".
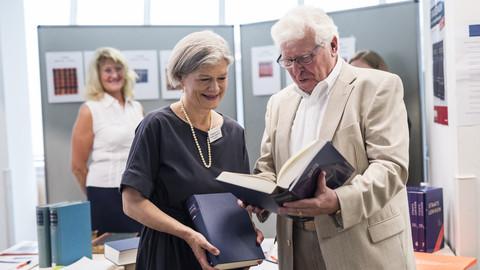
{"x": 265, "y": 71}
{"x": 144, "y": 64}
{"x": 65, "y": 79}
{"x": 168, "y": 91}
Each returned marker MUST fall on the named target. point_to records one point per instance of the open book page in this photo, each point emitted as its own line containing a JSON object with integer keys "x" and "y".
{"x": 294, "y": 166}
{"x": 22, "y": 248}
{"x": 251, "y": 181}
{"x": 86, "y": 263}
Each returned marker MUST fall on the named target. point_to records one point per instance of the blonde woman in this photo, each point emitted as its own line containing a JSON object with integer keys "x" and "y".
{"x": 104, "y": 131}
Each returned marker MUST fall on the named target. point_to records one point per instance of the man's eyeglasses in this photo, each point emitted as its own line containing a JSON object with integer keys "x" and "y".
{"x": 302, "y": 59}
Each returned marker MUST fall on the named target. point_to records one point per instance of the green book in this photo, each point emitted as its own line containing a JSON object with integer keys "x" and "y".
{"x": 43, "y": 235}
{"x": 70, "y": 232}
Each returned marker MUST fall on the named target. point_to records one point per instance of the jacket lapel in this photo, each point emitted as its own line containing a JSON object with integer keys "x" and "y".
{"x": 285, "y": 118}
{"x": 336, "y": 104}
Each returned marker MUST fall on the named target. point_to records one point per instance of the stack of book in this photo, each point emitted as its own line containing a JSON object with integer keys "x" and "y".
{"x": 64, "y": 233}
{"x": 426, "y": 218}
{"x": 122, "y": 252}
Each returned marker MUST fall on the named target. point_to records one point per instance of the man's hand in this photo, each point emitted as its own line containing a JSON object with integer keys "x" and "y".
{"x": 262, "y": 214}
{"x": 324, "y": 202}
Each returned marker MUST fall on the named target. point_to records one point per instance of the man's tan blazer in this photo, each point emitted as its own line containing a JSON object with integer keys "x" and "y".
{"x": 366, "y": 121}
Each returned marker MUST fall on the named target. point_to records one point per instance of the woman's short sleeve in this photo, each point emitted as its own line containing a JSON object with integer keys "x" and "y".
{"x": 143, "y": 159}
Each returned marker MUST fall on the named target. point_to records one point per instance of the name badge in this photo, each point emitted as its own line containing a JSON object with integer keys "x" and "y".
{"x": 214, "y": 134}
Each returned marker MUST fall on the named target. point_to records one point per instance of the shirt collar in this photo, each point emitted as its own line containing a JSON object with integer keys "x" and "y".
{"x": 108, "y": 100}
{"x": 326, "y": 84}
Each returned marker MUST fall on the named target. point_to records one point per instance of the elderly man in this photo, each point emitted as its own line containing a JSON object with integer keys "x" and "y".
{"x": 365, "y": 223}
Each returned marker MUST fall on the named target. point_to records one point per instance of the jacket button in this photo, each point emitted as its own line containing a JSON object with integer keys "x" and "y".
{"x": 289, "y": 243}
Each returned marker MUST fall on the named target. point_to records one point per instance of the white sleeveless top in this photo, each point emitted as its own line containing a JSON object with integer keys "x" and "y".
{"x": 113, "y": 130}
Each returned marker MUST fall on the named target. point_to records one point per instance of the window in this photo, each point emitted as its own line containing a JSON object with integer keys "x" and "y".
{"x": 184, "y": 12}
{"x": 249, "y": 11}
{"x": 396, "y": 1}
{"x": 45, "y": 12}
{"x": 109, "y": 12}
{"x": 329, "y": 6}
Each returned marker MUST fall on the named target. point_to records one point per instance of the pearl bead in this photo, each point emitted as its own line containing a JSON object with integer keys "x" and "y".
{"x": 209, "y": 164}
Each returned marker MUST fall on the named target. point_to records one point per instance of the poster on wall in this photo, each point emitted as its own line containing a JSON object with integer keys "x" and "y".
{"x": 265, "y": 71}
{"x": 468, "y": 72}
{"x": 440, "y": 97}
{"x": 65, "y": 81}
{"x": 168, "y": 91}
{"x": 145, "y": 65}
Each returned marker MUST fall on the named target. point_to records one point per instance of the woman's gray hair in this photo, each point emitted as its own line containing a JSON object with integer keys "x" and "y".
{"x": 94, "y": 88}
{"x": 295, "y": 24}
{"x": 193, "y": 51}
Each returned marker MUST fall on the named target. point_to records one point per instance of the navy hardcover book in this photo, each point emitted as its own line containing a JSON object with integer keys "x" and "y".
{"x": 412, "y": 205}
{"x": 429, "y": 218}
{"x": 434, "y": 229}
{"x": 297, "y": 179}
{"x": 122, "y": 252}
{"x": 228, "y": 227}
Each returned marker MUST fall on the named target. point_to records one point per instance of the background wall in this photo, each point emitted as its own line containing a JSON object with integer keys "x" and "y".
{"x": 58, "y": 118}
{"x": 454, "y": 162}
{"x": 396, "y": 39}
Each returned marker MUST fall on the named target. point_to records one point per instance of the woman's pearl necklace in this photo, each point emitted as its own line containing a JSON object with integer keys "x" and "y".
{"x": 209, "y": 164}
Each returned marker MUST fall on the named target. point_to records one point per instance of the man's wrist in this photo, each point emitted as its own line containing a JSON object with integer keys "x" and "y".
{"x": 337, "y": 218}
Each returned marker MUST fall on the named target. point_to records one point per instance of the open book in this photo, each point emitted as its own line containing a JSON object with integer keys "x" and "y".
{"x": 297, "y": 179}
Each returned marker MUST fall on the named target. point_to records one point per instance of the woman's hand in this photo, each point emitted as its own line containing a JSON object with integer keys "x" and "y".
{"x": 260, "y": 236}
{"x": 199, "y": 246}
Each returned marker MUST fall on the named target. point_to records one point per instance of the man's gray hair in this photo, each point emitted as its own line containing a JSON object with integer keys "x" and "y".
{"x": 295, "y": 24}
{"x": 195, "y": 50}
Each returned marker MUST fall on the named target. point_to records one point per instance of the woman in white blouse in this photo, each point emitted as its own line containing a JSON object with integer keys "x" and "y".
{"x": 104, "y": 131}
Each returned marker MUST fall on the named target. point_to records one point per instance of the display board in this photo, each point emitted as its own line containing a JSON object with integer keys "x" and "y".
{"x": 58, "y": 118}
{"x": 391, "y": 30}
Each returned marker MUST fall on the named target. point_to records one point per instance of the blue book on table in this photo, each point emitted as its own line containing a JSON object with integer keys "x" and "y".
{"x": 122, "y": 252}
{"x": 70, "y": 232}
{"x": 43, "y": 235}
{"x": 228, "y": 227}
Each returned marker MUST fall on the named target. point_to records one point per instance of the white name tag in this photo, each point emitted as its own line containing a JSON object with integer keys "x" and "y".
{"x": 215, "y": 134}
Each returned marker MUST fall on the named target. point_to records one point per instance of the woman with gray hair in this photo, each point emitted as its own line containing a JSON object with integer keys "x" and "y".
{"x": 104, "y": 130}
{"x": 178, "y": 151}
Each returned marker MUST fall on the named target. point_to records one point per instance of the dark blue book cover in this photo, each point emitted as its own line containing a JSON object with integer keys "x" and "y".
{"x": 430, "y": 218}
{"x": 412, "y": 205}
{"x": 434, "y": 228}
{"x": 421, "y": 221}
{"x": 228, "y": 227}
{"x": 123, "y": 251}
{"x": 70, "y": 232}
{"x": 124, "y": 244}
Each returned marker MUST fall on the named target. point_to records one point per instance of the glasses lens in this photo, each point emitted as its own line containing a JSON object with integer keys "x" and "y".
{"x": 306, "y": 59}
{"x": 286, "y": 63}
